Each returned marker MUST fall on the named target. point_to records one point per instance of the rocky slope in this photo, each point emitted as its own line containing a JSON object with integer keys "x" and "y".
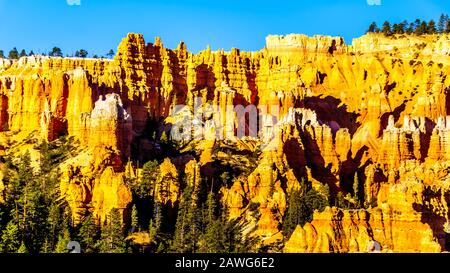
{"x": 379, "y": 108}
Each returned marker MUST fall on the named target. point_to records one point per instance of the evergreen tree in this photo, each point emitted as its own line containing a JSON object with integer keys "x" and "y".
{"x": 212, "y": 238}
{"x": 134, "y": 219}
{"x": 55, "y": 224}
{"x": 417, "y": 24}
{"x": 10, "y": 242}
{"x": 31, "y": 53}
{"x": 56, "y": 52}
{"x": 23, "y": 53}
{"x": 88, "y": 235}
{"x": 403, "y": 26}
{"x": 187, "y": 226}
{"x": 447, "y": 29}
{"x": 2, "y": 54}
{"x": 356, "y": 193}
{"x": 421, "y": 29}
{"x": 63, "y": 242}
{"x": 13, "y": 54}
{"x": 386, "y": 29}
{"x": 296, "y": 214}
{"x": 442, "y": 24}
{"x": 410, "y": 29}
{"x": 22, "y": 249}
{"x": 150, "y": 172}
{"x": 431, "y": 27}
{"x": 110, "y": 54}
{"x": 81, "y": 53}
{"x": 112, "y": 237}
{"x": 157, "y": 219}
{"x": 399, "y": 28}
{"x": 373, "y": 28}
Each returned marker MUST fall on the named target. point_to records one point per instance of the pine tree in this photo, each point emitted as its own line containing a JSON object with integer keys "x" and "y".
{"x": 146, "y": 186}
{"x": 63, "y": 242}
{"x": 31, "y": 53}
{"x": 23, "y": 53}
{"x": 81, "y": 53}
{"x": 56, "y": 52}
{"x": 157, "y": 219}
{"x": 356, "y": 187}
{"x": 399, "y": 28}
{"x": 431, "y": 27}
{"x": 110, "y": 54}
{"x": 297, "y": 213}
{"x": 54, "y": 225}
{"x": 212, "y": 237}
{"x": 23, "y": 248}
{"x": 422, "y": 28}
{"x": 112, "y": 237}
{"x": 410, "y": 29}
{"x": 10, "y": 238}
{"x": 2, "y": 54}
{"x": 442, "y": 24}
{"x": 88, "y": 235}
{"x": 373, "y": 28}
{"x": 386, "y": 29}
{"x": 187, "y": 225}
{"x": 13, "y": 54}
{"x": 134, "y": 219}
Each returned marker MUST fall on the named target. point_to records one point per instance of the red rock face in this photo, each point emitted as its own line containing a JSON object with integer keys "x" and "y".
{"x": 368, "y": 109}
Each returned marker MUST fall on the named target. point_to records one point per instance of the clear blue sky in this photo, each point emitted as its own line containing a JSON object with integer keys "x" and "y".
{"x": 99, "y": 25}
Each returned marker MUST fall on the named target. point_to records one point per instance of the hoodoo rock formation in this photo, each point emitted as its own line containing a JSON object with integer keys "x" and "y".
{"x": 366, "y": 124}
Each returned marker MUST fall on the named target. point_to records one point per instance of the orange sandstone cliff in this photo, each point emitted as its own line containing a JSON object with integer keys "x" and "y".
{"x": 379, "y": 108}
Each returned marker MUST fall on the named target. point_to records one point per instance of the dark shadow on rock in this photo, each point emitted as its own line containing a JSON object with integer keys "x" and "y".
{"x": 330, "y": 109}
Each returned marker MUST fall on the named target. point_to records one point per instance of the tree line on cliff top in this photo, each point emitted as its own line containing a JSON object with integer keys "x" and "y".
{"x": 418, "y": 27}
{"x": 14, "y": 53}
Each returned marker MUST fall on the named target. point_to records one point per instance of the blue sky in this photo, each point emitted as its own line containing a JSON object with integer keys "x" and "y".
{"x": 99, "y": 25}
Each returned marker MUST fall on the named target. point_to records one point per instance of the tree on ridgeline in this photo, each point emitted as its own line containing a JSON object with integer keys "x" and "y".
{"x": 442, "y": 23}
{"x": 81, "y": 53}
{"x": 410, "y": 29}
{"x": 110, "y": 54}
{"x": 31, "y": 53}
{"x": 2, "y": 54}
{"x": 386, "y": 29}
{"x": 373, "y": 28}
{"x": 13, "y": 54}
{"x": 431, "y": 27}
{"x": 400, "y": 28}
{"x": 56, "y": 52}
{"x": 421, "y": 28}
{"x": 23, "y": 53}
